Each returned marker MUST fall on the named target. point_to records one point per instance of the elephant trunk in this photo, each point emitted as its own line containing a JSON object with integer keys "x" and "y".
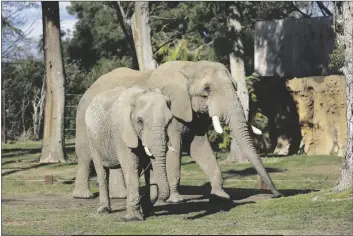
{"x": 158, "y": 149}
{"x": 233, "y": 115}
{"x": 240, "y": 133}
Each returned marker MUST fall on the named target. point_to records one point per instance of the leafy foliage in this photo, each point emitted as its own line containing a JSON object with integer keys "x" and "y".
{"x": 98, "y": 43}
{"x": 336, "y": 58}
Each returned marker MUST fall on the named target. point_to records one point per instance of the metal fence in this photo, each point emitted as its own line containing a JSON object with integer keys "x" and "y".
{"x": 72, "y": 101}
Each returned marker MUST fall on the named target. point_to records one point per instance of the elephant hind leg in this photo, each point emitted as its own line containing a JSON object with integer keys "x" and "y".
{"x": 102, "y": 177}
{"x": 82, "y": 189}
{"x": 117, "y": 188}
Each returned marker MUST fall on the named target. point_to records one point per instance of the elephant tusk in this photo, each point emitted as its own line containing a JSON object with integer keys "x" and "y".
{"x": 148, "y": 151}
{"x": 256, "y": 130}
{"x": 171, "y": 148}
{"x": 216, "y": 124}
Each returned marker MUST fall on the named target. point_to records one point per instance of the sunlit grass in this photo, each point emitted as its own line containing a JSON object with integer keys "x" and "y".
{"x": 31, "y": 207}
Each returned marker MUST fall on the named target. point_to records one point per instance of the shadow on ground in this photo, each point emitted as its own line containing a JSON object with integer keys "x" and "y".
{"x": 248, "y": 171}
{"x": 207, "y": 204}
{"x": 15, "y": 152}
{"x": 203, "y": 208}
{"x": 237, "y": 193}
{"x": 34, "y": 166}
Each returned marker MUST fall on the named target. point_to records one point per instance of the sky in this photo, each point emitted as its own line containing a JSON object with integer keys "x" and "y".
{"x": 33, "y": 27}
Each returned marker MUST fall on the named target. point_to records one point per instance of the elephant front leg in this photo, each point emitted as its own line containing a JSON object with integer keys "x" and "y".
{"x": 129, "y": 164}
{"x": 202, "y": 153}
{"x": 117, "y": 188}
{"x": 173, "y": 162}
{"x": 102, "y": 177}
{"x": 151, "y": 195}
{"x": 173, "y": 174}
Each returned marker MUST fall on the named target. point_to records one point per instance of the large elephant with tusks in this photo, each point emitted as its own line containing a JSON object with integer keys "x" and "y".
{"x": 200, "y": 93}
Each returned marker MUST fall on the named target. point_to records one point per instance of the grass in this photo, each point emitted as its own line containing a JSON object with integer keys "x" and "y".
{"x": 31, "y": 207}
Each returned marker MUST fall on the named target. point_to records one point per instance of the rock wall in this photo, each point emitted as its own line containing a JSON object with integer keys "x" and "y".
{"x": 321, "y": 106}
{"x": 306, "y": 115}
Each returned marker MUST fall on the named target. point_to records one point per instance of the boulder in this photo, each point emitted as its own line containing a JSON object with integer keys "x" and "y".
{"x": 321, "y": 106}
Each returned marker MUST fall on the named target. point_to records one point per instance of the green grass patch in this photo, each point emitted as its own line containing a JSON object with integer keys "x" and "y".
{"x": 309, "y": 206}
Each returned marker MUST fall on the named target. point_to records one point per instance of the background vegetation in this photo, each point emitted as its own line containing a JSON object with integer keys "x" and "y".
{"x": 179, "y": 31}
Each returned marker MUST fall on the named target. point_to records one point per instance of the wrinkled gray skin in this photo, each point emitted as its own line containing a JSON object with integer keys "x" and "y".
{"x": 116, "y": 120}
{"x": 198, "y": 91}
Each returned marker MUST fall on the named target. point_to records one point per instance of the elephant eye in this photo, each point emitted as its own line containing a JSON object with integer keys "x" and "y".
{"x": 139, "y": 121}
{"x": 168, "y": 103}
{"x": 207, "y": 89}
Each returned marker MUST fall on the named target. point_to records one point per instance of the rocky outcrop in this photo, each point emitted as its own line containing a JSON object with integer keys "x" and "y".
{"x": 321, "y": 106}
{"x": 305, "y": 115}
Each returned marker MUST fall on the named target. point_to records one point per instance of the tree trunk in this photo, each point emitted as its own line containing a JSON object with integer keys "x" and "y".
{"x": 53, "y": 137}
{"x": 3, "y": 121}
{"x": 24, "y": 105}
{"x": 237, "y": 68}
{"x": 37, "y": 116}
{"x": 141, "y": 32}
{"x": 345, "y": 181}
{"x": 128, "y": 37}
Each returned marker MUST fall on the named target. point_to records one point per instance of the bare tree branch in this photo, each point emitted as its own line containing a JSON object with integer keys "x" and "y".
{"x": 300, "y": 11}
{"x": 323, "y": 8}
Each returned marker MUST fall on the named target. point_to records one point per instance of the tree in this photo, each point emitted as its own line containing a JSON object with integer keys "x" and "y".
{"x": 98, "y": 45}
{"x": 237, "y": 68}
{"x": 141, "y": 32}
{"x": 53, "y": 137}
{"x": 22, "y": 80}
{"x": 123, "y": 19}
{"x": 345, "y": 181}
{"x": 13, "y": 39}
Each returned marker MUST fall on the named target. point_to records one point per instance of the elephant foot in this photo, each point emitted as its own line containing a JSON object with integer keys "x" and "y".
{"x": 220, "y": 193}
{"x": 82, "y": 193}
{"x": 133, "y": 216}
{"x": 217, "y": 199}
{"x": 104, "y": 210}
{"x": 175, "y": 198}
{"x": 277, "y": 195}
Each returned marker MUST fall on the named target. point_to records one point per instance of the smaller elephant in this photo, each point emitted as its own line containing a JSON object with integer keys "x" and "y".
{"x": 122, "y": 125}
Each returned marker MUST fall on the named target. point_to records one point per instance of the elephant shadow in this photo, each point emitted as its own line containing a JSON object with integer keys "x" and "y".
{"x": 203, "y": 208}
{"x": 208, "y": 204}
{"x": 249, "y": 171}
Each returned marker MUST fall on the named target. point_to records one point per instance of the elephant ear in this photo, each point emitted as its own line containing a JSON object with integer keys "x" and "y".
{"x": 232, "y": 79}
{"x": 121, "y": 115}
{"x": 174, "y": 85}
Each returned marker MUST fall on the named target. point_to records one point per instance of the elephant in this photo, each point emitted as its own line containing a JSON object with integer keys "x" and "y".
{"x": 201, "y": 93}
{"x": 119, "y": 122}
